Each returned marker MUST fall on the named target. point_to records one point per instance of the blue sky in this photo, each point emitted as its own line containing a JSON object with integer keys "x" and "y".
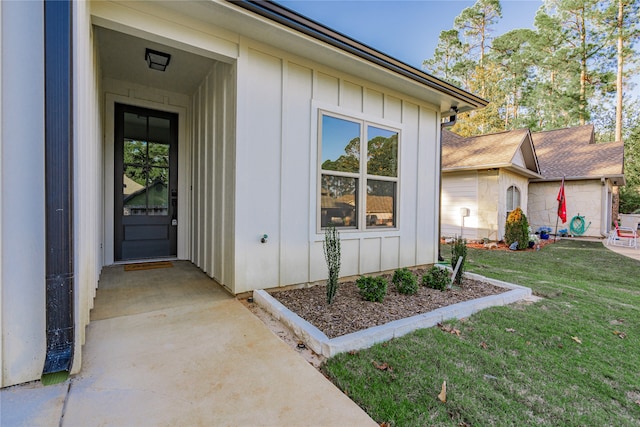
{"x": 405, "y": 30}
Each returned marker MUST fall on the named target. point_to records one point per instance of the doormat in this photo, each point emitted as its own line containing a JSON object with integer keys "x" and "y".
{"x": 148, "y": 265}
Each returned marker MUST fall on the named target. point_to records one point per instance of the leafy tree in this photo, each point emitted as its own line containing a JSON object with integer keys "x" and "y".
{"x": 348, "y": 162}
{"x": 586, "y": 34}
{"x": 551, "y": 97}
{"x": 146, "y": 162}
{"x": 476, "y": 23}
{"x": 630, "y": 194}
{"x": 382, "y": 156}
{"x": 569, "y": 70}
{"x": 449, "y": 61}
{"x": 487, "y": 119}
{"x": 511, "y": 54}
{"x": 627, "y": 33}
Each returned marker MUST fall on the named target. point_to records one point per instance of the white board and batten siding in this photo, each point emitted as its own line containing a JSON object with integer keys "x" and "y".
{"x": 212, "y": 174}
{"x": 88, "y": 171}
{"x": 22, "y": 193}
{"x": 22, "y": 196}
{"x": 279, "y": 99}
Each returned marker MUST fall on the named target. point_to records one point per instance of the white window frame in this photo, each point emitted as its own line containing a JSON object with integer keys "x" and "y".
{"x": 362, "y": 175}
{"x": 514, "y": 205}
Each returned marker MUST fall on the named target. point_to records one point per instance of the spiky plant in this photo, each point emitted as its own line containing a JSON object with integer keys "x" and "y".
{"x": 459, "y": 249}
{"x": 331, "y": 246}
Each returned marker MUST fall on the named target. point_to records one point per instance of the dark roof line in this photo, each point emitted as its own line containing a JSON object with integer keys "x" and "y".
{"x": 293, "y": 20}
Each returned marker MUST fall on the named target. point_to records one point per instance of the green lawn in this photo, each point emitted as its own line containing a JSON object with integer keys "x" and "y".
{"x": 572, "y": 359}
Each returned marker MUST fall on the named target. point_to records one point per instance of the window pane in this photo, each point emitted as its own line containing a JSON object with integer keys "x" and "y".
{"x": 513, "y": 198}
{"x": 382, "y": 152}
{"x": 135, "y": 126}
{"x": 340, "y": 145}
{"x": 135, "y": 152}
{"x": 338, "y": 204}
{"x": 159, "y": 130}
{"x": 158, "y": 154}
{"x": 144, "y": 191}
{"x": 134, "y": 190}
{"x": 381, "y": 198}
{"x": 157, "y": 193}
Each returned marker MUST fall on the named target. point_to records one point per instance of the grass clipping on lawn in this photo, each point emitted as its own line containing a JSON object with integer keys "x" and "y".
{"x": 350, "y": 313}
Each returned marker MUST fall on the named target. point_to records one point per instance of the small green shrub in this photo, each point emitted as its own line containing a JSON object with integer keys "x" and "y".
{"x": 516, "y": 229}
{"x": 372, "y": 288}
{"x": 405, "y": 281}
{"x": 459, "y": 249}
{"x": 436, "y": 278}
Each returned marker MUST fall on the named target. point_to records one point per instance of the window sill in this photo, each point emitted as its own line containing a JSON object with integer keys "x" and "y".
{"x": 354, "y": 234}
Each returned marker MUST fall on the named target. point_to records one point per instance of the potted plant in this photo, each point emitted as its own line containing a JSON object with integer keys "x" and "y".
{"x": 534, "y": 239}
{"x": 544, "y": 232}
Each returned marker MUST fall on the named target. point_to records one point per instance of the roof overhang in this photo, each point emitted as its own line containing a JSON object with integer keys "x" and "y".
{"x": 275, "y": 24}
{"x": 616, "y": 179}
{"x": 507, "y": 166}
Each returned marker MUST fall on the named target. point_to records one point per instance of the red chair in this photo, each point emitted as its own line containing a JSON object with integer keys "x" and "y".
{"x": 623, "y": 236}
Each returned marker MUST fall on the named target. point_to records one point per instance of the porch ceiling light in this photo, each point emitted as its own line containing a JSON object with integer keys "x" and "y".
{"x": 157, "y": 60}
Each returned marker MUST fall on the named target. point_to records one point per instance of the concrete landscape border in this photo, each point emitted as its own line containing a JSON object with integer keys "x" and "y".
{"x": 317, "y": 341}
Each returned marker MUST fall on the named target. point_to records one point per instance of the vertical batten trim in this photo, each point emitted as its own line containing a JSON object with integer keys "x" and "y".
{"x": 1, "y": 219}
{"x": 284, "y": 111}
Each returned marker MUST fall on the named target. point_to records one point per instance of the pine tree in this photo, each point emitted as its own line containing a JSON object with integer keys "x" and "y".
{"x": 511, "y": 54}
{"x": 476, "y": 24}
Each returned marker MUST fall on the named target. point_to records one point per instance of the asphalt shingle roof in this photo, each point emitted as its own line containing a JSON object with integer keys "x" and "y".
{"x": 496, "y": 149}
{"x": 572, "y": 152}
{"x": 569, "y": 152}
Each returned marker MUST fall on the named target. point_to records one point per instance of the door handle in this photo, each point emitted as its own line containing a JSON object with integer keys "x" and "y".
{"x": 174, "y": 198}
{"x": 174, "y": 206}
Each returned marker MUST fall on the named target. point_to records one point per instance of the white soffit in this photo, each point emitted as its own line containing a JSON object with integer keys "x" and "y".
{"x": 122, "y": 57}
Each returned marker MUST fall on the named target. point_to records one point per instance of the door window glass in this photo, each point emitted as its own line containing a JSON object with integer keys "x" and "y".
{"x": 146, "y": 165}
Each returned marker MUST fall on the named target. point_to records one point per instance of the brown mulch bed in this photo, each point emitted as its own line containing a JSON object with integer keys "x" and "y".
{"x": 350, "y": 313}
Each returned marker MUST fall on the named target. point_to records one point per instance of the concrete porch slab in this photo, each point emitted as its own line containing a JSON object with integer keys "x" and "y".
{"x": 210, "y": 364}
{"x": 191, "y": 356}
{"x": 33, "y": 404}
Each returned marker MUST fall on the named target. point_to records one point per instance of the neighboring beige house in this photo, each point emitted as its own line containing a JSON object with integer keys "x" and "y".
{"x": 592, "y": 172}
{"x": 483, "y": 179}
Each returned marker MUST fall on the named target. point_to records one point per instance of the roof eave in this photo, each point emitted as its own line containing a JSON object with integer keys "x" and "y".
{"x": 463, "y": 100}
{"x": 523, "y": 171}
{"x": 508, "y": 166}
{"x": 612, "y": 177}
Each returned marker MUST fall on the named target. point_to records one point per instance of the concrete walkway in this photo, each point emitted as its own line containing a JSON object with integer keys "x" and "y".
{"x": 622, "y": 250}
{"x": 203, "y": 360}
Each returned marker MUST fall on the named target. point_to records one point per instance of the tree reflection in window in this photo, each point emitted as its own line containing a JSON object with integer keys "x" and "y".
{"x": 146, "y": 165}
{"x": 343, "y": 173}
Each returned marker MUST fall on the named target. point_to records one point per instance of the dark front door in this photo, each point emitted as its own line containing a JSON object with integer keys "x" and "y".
{"x": 146, "y": 183}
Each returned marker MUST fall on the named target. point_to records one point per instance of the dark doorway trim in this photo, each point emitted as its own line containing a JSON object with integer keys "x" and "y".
{"x": 159, "y": 245}
{"x": 58, "y": 112}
